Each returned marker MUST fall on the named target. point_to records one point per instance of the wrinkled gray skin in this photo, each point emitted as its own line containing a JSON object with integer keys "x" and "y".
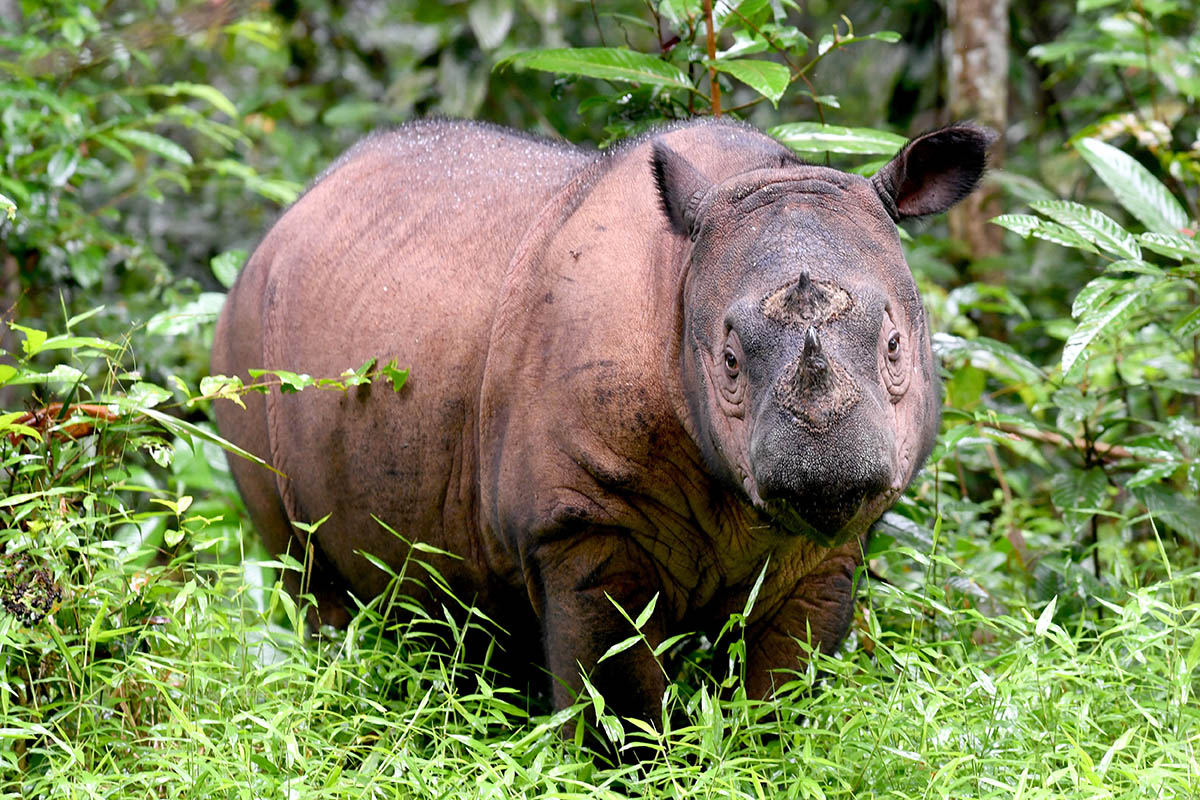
{"x": 646, "y": 371}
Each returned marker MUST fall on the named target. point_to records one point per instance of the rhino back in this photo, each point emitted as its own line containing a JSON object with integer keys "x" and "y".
{"x": 397, "y": 252}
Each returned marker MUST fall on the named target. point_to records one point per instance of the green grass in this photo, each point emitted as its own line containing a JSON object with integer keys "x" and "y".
{"x": 172, "y": 663}
{"x": 193, "y": 678}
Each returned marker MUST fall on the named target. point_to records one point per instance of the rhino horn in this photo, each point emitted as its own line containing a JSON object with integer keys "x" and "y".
{"x": 815, "y": 365}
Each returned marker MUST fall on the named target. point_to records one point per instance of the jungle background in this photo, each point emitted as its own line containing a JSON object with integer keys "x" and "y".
{"x": 1029, "y": 624}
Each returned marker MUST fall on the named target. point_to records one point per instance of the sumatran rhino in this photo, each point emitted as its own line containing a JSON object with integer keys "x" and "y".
{"x": 645, "y": 371}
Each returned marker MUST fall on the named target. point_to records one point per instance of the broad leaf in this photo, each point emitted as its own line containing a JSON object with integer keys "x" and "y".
{"x": 1096, "y": 293}
{"x": 1079, "y": 494}
{"x": 1099, "y": 229}
{"x": 1172, "y": 508}
{"x": 1028, "y": 225}
{"x": 209, "y": 94}
{"x": 155, "y": 144}
{"x": 813, "y": 137}
{"x": 1180, "y": 248}
{"x": 1189, "y": 325}
{"x": 490, "y": 21}
{"x": 990, "y": 355}
{"x": 608, "y": 63}
{"x": 1104, "y": 319}
{"x": 225, "y": 267}
{"x": 1135, "y": 188}
{"x": 765, "y": 77}
{"x": 186, "y": 430}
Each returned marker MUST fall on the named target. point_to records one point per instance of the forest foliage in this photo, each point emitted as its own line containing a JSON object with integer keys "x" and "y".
{"x": 1034, "y": 611}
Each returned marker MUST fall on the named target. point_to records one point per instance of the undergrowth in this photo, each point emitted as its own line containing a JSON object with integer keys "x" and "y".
{"x": 145, "y": 652}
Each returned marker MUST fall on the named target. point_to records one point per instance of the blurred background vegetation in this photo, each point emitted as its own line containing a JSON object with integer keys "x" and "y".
{"x": 146, "y": 146}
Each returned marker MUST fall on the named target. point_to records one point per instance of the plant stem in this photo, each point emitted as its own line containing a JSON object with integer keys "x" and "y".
{"x": 712, "y": 59}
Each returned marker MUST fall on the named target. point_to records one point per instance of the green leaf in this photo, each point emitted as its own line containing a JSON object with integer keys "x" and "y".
{"x": 1154, "y": 473}
{"x": 1021, "y": 224}
{"x": 1180, "y": 248}
{"x": 155, "y": 144}
{"x": 352, "y": 113}
{"x": 1078, "y": 494}
{"x": 990, "y": 355}
{"x": 7, "y": 371}
{"x": 8, "y": 207}
{"x": 1168, "y": 506}
{"x": 1046, "y": 617}
{"x": 1095, "y": 293}
{"x": 289, "y": 382}
{"x": 813, "y": 137}
{"x": 745, "y": 43}
{"x": 644, "y": 617}
{"x": 62, "y": 166}
{"x": 72, "y": 31}
{"x": 186, "y": 430}
{"x": 209, "y": 94}
{"x": 1097, "y": 228}
{"x": 61, "y": 378}
{"x": 680, "y": 12}
{"x": 765, "y": 77}
{"x": 230, "y": 388}
{"x": 1189, "y": 325}
{"x": 490, "y": 21}
{"x": 1027, "y": 225}
{"x": 396, "y": 376}
{"x": 1105, "y": 319}
{"x": 64, "y": 342}
{"x": 187, "y": 318}
{"x": 146, "y": 395}
{"x": 620, "y": 647}
{"x": 225, "y": 267}
{"x": 32, "y": 345}
{"x": 607, "y": 63}
{"x": 1135, "y": 188}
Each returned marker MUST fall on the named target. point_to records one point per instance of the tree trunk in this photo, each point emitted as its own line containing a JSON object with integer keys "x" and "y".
{"x": 976, "y": 47}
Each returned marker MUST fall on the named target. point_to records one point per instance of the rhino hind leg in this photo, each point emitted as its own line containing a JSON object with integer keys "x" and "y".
{"x": 260, "y": 492}
{"x": 819, "y": 610}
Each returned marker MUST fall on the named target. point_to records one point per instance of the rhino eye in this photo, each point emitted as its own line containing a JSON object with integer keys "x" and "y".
{"x": 892, "y": 366}
{"x": 729, "y": 380}
{"x": 731, "y": 364}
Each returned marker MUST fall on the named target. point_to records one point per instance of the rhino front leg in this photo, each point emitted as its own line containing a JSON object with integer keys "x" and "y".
{"x": 818, "y": 610}
{"x": 575, "y": 577}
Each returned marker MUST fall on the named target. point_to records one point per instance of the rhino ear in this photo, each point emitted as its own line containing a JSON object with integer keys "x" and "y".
{"x": 680, "y": 188}
{"x": 934, "y": 171}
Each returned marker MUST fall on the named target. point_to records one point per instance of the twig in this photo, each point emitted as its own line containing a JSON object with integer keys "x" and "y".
{"x": 1103, "y": 450}
{"x": 596, "y": 19}
{"x": 712, "y": 59}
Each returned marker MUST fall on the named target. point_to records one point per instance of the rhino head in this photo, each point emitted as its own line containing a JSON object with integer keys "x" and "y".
{"x": 808, "y": 377}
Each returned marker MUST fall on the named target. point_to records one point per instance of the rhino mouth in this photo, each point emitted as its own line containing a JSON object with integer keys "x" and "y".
{"x": 783, "y": 516}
